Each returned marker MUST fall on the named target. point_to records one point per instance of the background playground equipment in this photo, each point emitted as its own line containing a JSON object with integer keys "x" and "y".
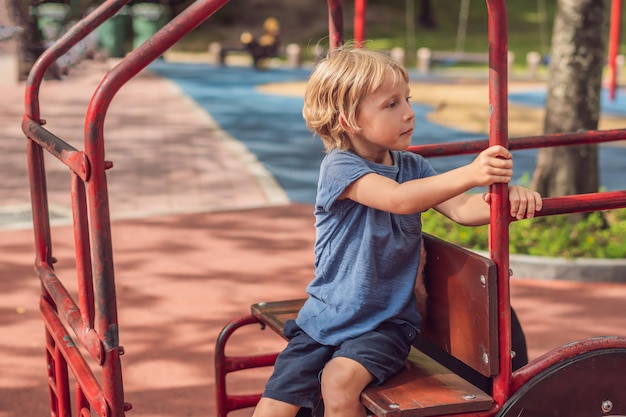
{"x": 264, "y": 46}
{"x": 260, "y": 48}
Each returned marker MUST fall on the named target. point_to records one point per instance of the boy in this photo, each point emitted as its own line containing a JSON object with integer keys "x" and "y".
{"x": 357, "y": 326}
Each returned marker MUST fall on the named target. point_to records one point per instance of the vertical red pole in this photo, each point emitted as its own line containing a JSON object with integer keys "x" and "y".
{"x": 335, "y": 23}
{"x": 499, "y": 223}
{"x": 359, "y": 22}
{"x": 614, "y": 39}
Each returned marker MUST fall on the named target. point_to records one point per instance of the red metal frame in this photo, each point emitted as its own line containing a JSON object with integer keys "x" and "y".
{"x": 93, "y": 320}
{"x": 225, "y": 365}
{"x": 499, "y": 230}
{"x": 359, "y": 22}
{"x": 614, "y": 39}
{"x": 335, "y": 23}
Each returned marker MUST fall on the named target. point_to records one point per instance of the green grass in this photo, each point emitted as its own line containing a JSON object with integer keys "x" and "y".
{"x": 526, "y": 27}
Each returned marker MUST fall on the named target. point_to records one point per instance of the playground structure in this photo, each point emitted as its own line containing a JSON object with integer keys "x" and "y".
{"x": 260, "y": 48}
{"x": 263, "y": 46}
{"x": 93, "y": 320}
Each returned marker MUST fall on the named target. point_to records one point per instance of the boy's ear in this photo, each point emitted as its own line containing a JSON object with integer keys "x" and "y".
{"x": 344, "y": 124}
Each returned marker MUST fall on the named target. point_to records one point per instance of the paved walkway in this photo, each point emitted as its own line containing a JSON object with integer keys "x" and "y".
{"x": 200, "y": 232}
{"x": 169, "y": 155}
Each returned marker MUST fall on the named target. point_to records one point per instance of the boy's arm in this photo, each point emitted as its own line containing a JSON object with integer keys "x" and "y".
{"x": 473, "y": 209}
{"x": 382, "y": 193}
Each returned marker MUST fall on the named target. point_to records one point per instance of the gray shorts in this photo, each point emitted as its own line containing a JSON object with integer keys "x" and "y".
{"x": 296, "y": 376}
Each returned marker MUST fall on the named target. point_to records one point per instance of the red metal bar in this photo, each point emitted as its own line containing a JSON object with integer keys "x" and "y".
{"x": 359, "y": 22}
{"x": 106, "y": 321}
{"x": 226, "y": 364}
{"x": 68, "y": 354}
{"x": 51, "y": 371}
{"x": 528, "y": 142}
{"x": 61, "y": 381}
{"x": 39, "y": 203}
{"x": 614, "y": 39}
{"x": 82, "y": 404}
{"x": 98, "y": 204}
{"x": 335, "y": 23}
{"x": 581, "y": 203}
{"x": 524, "y": 374}
{"x": 63, "y": 151}
{"x": 83, "y": 251}
{"x": 64, "y": 44}
{"x": 58, "y": 378}
{"x": 61, "y": 298}
{"x": 499, "y": 219}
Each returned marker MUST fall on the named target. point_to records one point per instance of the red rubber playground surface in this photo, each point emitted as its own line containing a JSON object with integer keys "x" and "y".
{"x": 199, "y": 234}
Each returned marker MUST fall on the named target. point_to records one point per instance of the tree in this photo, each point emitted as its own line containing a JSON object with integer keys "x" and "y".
{"x": 426, "y": 16}
{"x": 573, "y": 101}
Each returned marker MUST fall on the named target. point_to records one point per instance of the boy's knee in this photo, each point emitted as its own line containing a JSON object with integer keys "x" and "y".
{"x": 268, "y": 407}
{"x": 343, "y": 380}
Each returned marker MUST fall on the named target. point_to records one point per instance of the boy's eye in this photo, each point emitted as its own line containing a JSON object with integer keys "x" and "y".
{"x": 408, "y": 98}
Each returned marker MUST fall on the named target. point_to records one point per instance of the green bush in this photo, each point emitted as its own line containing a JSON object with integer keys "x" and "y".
{"x": 599, "y": 235}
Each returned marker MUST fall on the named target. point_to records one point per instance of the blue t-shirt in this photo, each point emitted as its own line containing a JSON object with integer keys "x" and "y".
{"x": 365, "y": 259}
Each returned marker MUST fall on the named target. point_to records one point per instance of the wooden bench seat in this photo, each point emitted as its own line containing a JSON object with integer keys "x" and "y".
{"x": 458, "y": 342}
{"x": 424, "y": 388}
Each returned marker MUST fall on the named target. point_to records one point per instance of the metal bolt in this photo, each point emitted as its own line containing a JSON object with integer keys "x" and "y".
{"x": 483, "y": 280}
{"x": 510, "y": 272}
{"x": 607, "y": 406}
{"x": 394, "y": 405}
{"x": 485, "y": 357}
{"x": 469, "y": 397}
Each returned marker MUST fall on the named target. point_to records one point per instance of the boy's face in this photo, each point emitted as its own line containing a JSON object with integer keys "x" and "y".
{"x": 385, "y": 117}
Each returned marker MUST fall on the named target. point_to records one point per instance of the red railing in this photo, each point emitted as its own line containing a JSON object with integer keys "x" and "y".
{"x": 93, "y": 319}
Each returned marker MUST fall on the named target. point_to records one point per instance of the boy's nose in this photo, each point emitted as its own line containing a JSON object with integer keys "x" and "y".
{"x": 410, "y": 114}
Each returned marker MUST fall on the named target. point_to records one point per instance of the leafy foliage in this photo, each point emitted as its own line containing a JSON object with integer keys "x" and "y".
{"x": 599, "y": 235}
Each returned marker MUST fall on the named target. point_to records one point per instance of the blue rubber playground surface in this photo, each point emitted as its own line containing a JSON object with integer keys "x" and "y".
{"x": 272, "y": 128}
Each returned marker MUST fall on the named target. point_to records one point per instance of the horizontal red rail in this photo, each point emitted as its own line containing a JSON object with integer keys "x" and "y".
{"x": 582, "y": 203}
{"x": 526, "y": 142}
{"x": 63, "y": 151}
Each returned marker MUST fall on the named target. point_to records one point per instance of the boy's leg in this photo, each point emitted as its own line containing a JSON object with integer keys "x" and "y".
{"x": 295, "y": 380}
{"x": 343, "y": 380}
{"x": 268, "y": 407}
{"x": 371, "y": 358}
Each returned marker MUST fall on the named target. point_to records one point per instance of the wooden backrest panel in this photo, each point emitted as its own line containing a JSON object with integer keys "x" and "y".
{"x": 461, "y": 315}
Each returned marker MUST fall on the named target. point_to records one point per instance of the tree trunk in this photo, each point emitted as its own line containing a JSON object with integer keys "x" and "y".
{"x": 573, "y": 101}
{"x": 426, "y": 15}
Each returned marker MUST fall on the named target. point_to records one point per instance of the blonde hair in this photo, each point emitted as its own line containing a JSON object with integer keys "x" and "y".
{"x": 338, "y": 85}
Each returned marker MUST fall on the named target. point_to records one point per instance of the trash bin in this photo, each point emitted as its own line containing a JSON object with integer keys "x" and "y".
{"x": 113, "y": 32}
{"x": 148, "y": 18}
{"x": 51, "y": 19}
